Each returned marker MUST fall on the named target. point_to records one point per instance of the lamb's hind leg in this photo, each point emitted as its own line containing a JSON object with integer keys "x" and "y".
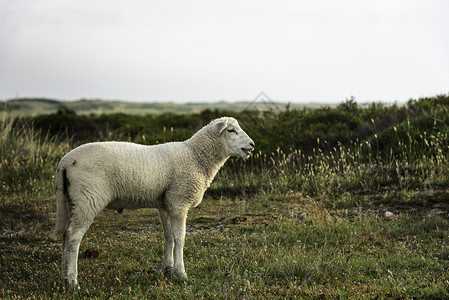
{"x": 70, "y": 249}
{"x": 85, "y": 209}
{"x": 167, "y": 264}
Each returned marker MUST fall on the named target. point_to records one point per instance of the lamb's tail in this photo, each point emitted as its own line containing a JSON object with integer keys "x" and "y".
{"x": 63, "y": 206}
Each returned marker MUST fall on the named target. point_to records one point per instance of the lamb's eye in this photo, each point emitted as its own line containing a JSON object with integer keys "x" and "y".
{"x": 232, "y": 131}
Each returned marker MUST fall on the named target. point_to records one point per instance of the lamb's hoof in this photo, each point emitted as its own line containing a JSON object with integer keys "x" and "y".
{"x": 71, "y": 285}
{"x": 165, "y": 270}
{"x": 182, "y": 275}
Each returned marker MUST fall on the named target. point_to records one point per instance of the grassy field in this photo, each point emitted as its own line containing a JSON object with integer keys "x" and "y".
{"x": 354, "y": 221}
{"x": 259, "y": 247}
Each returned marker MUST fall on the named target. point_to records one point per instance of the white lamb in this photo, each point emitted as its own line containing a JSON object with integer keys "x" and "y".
{"x": 171, "y": 177}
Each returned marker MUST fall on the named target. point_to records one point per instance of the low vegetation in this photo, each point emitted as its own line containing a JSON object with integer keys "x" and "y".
{"x": 343, "y": 202}
{"x": 40, "y": 106}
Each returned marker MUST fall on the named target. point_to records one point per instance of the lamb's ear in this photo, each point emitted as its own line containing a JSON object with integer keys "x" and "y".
{"x": 220, "y": 125}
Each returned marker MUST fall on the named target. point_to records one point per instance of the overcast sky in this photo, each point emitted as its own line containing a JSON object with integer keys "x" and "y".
{"x": 206, "y": 50}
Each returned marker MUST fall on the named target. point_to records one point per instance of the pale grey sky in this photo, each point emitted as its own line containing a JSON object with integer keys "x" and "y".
{"x": 205, "y": 50}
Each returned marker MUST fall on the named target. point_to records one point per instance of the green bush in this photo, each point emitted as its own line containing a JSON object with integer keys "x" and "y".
{"x": 312, "y": 150}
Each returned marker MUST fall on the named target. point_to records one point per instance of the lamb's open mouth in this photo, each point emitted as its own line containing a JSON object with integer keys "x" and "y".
{"x": 247, "y": 151}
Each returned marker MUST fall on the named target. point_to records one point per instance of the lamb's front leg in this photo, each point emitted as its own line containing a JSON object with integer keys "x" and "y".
{"x": 179, "y": 231}
{"x": 167, "y": 264}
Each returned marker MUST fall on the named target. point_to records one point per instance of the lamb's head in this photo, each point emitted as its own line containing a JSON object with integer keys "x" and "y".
{"x": 236, "y": 141}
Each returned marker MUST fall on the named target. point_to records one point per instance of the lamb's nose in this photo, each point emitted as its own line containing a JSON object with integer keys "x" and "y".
{"x": 252, "y": 144}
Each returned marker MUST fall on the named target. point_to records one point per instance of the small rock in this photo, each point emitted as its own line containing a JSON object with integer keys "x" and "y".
{"x": 388, "y": 214}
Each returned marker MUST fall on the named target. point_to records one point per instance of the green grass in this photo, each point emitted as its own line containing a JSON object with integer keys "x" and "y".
{"x": 284, "y": 224}
{"x": 258, "y": 247}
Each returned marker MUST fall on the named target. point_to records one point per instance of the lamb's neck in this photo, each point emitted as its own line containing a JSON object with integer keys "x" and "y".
{"x": 208, "y": 154}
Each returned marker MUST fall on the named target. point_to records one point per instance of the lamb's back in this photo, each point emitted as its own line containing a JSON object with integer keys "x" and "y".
{"x": 136, "y": 174}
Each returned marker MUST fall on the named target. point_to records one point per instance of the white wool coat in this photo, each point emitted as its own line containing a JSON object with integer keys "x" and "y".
{"x": 118, "y": 175}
